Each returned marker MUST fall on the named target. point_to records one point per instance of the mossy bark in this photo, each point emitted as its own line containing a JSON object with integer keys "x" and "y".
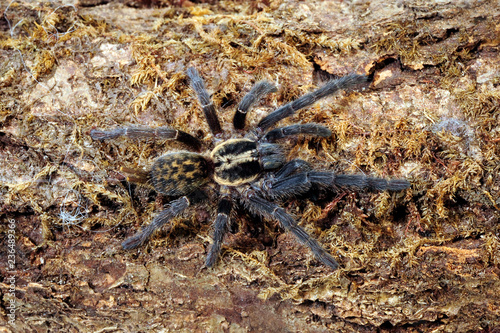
{"x": 422, "y": 260}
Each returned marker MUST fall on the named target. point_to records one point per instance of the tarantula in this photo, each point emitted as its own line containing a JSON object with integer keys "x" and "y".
{"x": 252, "y": 170}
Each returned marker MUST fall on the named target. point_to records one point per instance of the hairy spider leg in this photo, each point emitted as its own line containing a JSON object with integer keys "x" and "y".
{"x": 271, "y": 211}
{"x": 258, "y": 91}
{"x": 220, "y": 229}
{"x": 290, "y": 167}
{"x": 174, "y": 208}
{"x": 329, "y": 88}
{"x": 205, "y": 101}
{"x": 371, "y": 183}
{"x": 311, "y": 129}
{"x": 285, "y": 187}
{"x": 159, "y": 133}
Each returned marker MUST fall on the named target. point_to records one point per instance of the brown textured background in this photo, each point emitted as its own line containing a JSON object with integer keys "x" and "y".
{"x": 423, "y": 260}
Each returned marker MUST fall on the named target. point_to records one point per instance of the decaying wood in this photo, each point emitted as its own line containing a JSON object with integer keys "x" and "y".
{"x": 423, "y": 260}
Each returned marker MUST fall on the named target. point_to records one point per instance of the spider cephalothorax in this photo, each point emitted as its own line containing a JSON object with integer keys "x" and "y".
{"x": 252, "y": 170}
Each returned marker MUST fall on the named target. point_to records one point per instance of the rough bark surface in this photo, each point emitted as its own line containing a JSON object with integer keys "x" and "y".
{"x": 423, "y": 260}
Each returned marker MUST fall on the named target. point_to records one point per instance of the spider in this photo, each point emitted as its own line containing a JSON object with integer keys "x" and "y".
{"x": 251, "y": 170}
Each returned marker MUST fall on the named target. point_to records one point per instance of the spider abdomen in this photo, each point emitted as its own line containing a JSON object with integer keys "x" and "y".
{"x": 180, "y": 173}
